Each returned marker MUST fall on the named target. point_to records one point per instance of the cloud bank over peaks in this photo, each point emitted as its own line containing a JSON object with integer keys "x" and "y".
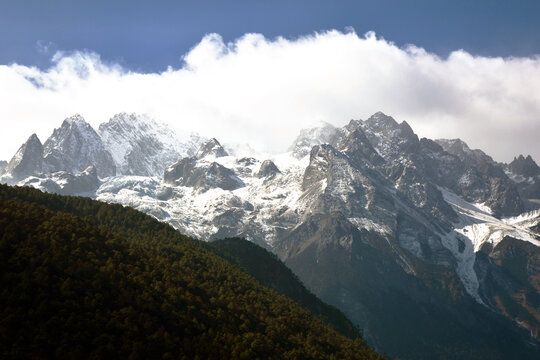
{"x": 263, "y": 91}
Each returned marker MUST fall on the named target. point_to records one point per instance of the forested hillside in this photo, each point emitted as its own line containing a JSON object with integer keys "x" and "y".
{"x": 272, "y": 272}
{"x": 81, "y": 279}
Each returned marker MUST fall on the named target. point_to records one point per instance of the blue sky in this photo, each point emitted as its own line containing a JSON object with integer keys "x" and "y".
{"x": 263, "y": 70}
{"x": 151, "y": 35}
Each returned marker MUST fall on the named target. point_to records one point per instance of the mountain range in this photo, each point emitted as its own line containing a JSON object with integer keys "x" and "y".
{"x": 430, "y": 247}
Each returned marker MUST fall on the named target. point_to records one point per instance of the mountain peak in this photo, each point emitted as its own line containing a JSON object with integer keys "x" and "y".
{"x": 325, "y": 133}
{"x": 33, "y": 138}
{"x": 75, "y": 146}
{"x": 143, "y": 146}
{"x": 381, "y": 121}
{"x": 525, "y": 166}
{"x": 460, "y": 149}
{"x": 27, "y": 160}
{"x": 76, "y": 119}
{"x": 268, "y": 170}
{"x": 458, "y": 143}
{"x": 211, "y": 147}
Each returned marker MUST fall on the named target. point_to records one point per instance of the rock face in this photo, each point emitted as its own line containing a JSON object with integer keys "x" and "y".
{"x": 141, "y": 146}
{"x": 64, "y": 183}
{"x": 201, "y": 175}
{"x": 470, "y": 157}
{"x": 483, "y": 180}
{"x": 28, "y": 159}
{"x": 525, "y": 173}
{"x": 211, "y": 148}
{"x": 203, "y": 178}
{"x": 3, "y": 165}
{"x": 84, "y": 182}
{"x": 74, "y": 147}
{"x": 510, "y": 274}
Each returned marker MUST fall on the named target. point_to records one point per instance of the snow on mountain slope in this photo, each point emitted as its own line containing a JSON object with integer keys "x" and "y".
{"x": 141, "y": 146}
{"x": 480, "y": 226}
{"x": 250, "y": 209}
{"x": 477, "y": 227}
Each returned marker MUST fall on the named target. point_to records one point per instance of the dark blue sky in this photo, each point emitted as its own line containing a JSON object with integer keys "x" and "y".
{"x": 151, "y": 35}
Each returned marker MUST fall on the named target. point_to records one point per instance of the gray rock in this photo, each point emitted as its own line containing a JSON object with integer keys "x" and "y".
{"x": 74, "y": 147}
{"x": 81, "y": 183}
{"x": 201, "y": 176}
{"x": 64, "y": 183}
{"x": 28, "y": 160}
{"x": 483, "y": 180}
{"x": 357, "y": 146}
{"x": 267, "y": 170}
{"x": 3, "y": 165}
{"x": 524, "y": 166}
{"x": 211, "y": 148}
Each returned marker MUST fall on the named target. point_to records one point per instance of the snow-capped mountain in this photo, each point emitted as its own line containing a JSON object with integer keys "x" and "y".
{"x": 74, "y": 147}
{"x": 27, "y": 161}
{"x": 141, "y": 146}
{"x": 324, "y": 134}
{"x": 380, "y": 223}
{"x": 526, "y": 174}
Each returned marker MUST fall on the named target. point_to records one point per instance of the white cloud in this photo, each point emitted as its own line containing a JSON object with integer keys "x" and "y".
{"x": 263, "y": 91}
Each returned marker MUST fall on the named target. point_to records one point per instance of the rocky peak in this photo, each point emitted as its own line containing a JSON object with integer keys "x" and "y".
{"x": 142, "y": 146}
{"x": 75, "y": 146}
{"x": 524, "y": 166}
{"x": 460, "y": 149}
{"x": 27, "y": 160}
{"x": 357, "y": 146}
{"x": 179, "y": 170}
{"x": 76, "y": 119}
{"x": 323, "y": 134}
{"x": 268, "y": 170}
{"x": 321, "y": 158}
{"x": 130, "y": 120}
{"x": 211, "y": 148}
{"x": 391, "y": 140}
{"x": 407, "y": 132}
{"x": 201, "y": 175}
{"x": 482, "y": 180}
{"x": 381, "y": 122}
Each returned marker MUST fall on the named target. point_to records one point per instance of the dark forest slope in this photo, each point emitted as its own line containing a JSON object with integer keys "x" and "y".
{"x": 272, "y": 272}
{"x": 80, "y": 279}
